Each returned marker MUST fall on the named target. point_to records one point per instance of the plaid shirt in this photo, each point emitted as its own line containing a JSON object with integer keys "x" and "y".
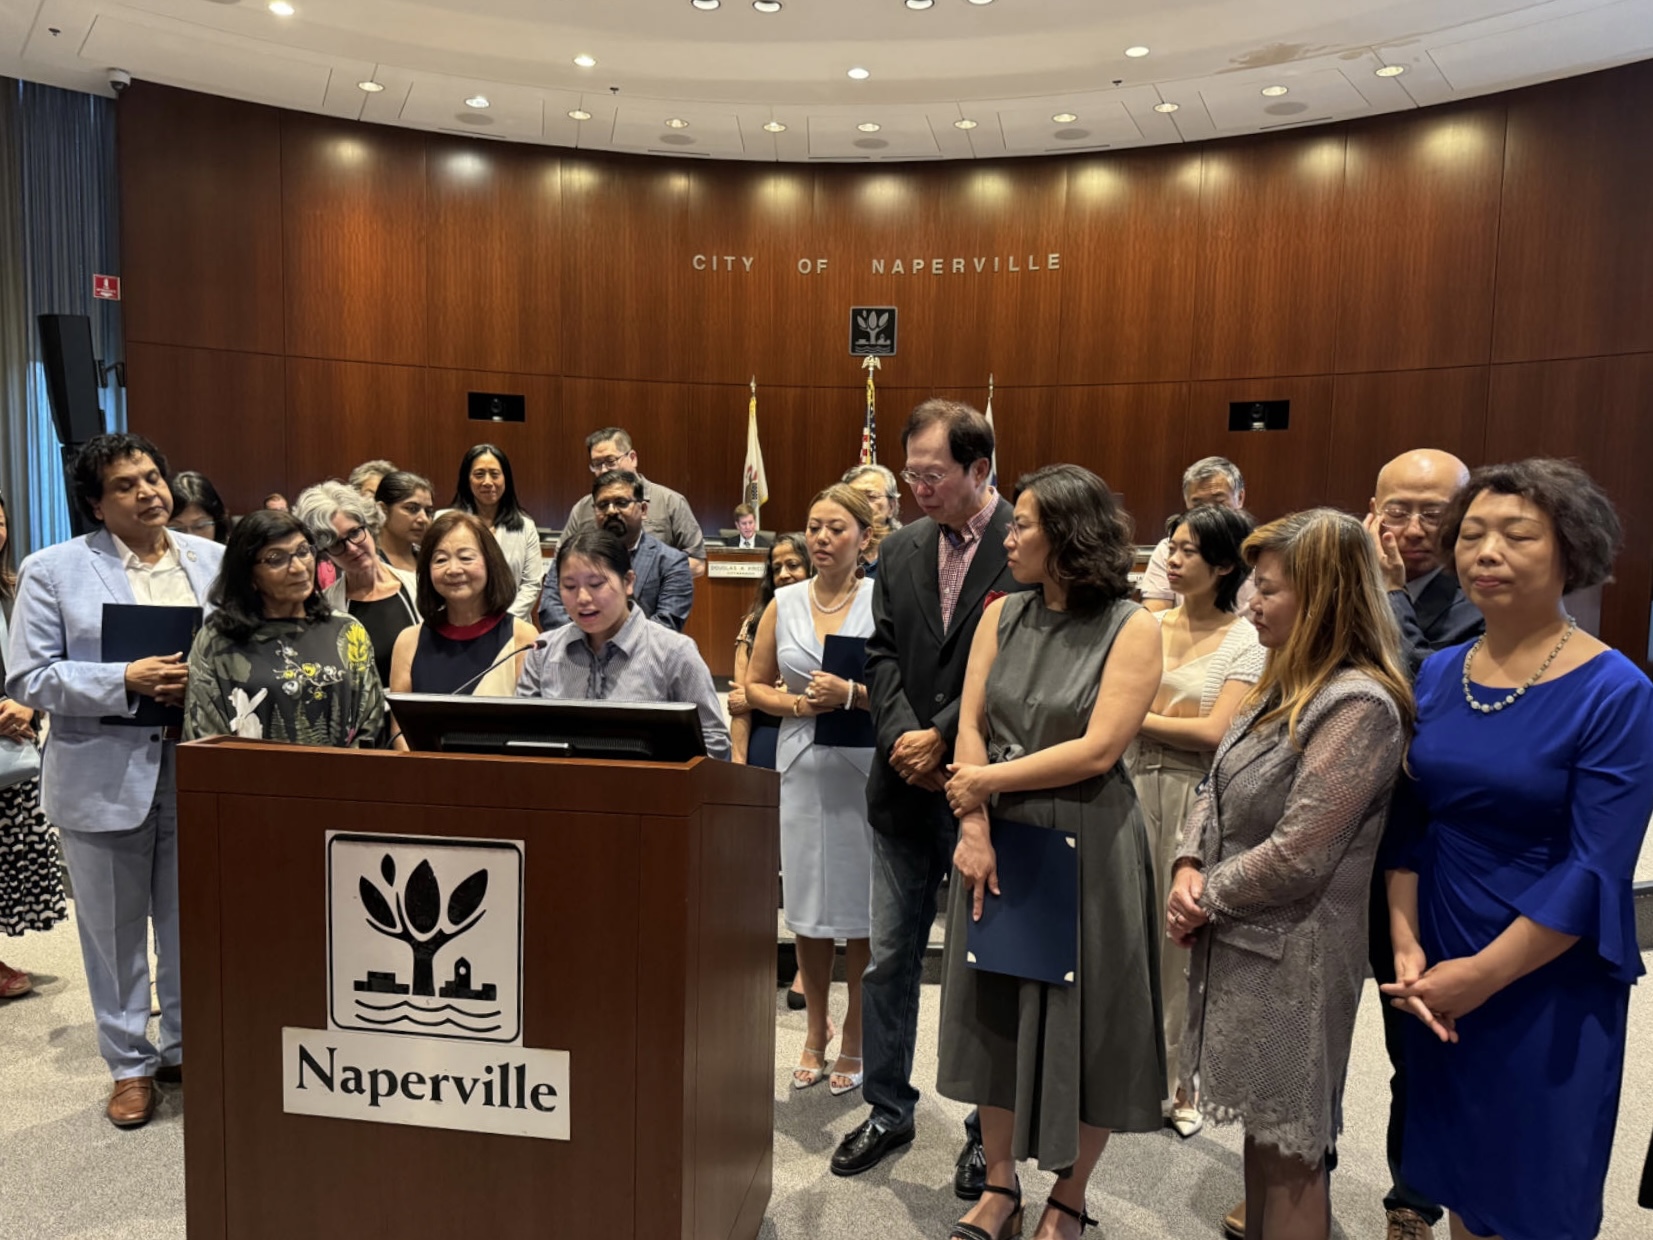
{"x": 954, "y": 551}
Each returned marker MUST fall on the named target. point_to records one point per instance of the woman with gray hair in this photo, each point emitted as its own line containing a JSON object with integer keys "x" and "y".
{"x": 344, "y": 524}
{"x": 878, "y": 484}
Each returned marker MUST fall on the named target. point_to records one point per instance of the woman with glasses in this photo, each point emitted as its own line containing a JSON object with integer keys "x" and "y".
{"x": 753, "y": 733}
{"x": 406, "y": 505}
{"x": 343, "y": 524}
{"x": 486, "y": 489}
{"x": 196, "y": 508}
{"x": 273, "y": 661}
{"x": 878, "y": 484}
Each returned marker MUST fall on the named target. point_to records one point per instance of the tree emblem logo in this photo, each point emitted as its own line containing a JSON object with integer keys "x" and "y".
{"x": 872, "y": 331}
{"x": 425, "y": 936}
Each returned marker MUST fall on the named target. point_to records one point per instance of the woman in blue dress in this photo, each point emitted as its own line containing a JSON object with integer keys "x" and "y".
{"x": 1510, "y": 883}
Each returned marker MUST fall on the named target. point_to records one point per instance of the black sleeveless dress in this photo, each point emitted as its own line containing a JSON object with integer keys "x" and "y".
{"x": 448, "y": 657}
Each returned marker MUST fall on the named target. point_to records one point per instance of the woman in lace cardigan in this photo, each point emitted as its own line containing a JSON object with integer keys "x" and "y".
{"x": 1271, "y": 890}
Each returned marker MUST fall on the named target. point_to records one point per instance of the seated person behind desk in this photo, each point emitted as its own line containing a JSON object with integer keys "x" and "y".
{"x": 274, "y": 661}
{"x": 746, "y": 530}
{"x": 664, "y": 586}
{"x": 610, "y": 651}
{"x": 465, "y": 588}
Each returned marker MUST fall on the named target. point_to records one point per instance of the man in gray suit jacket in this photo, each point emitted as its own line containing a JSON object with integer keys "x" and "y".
{"x": 934, "y": 578}
{"x": 109, "y": 786}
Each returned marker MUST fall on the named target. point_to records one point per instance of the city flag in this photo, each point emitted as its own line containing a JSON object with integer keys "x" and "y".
{"x": 754, "y": 484}
{"x": 869, "y": 428}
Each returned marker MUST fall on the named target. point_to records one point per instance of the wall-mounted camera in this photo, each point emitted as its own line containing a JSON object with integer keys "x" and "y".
{"x": 119, "y": 80}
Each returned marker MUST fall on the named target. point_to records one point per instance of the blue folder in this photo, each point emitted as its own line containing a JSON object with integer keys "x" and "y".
{"x": 845, "y": 657}
{"x": 133, "y": 631}
{"x": 1032, "y": 929}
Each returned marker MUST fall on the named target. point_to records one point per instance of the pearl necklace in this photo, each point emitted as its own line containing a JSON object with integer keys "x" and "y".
{"x": 1509, "y": 700}
{"x": 815, "y": 597}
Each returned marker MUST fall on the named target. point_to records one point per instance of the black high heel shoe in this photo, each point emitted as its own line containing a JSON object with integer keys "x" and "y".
{"x": 1085, "y": 1220}
{"x": 1012, "y": 1225}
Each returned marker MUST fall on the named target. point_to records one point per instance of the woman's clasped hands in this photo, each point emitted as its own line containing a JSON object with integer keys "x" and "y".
{"x": 1183, "y": 914}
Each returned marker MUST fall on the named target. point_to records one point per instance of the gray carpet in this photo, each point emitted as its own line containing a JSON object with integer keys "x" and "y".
{"x": 65, "y": 1174}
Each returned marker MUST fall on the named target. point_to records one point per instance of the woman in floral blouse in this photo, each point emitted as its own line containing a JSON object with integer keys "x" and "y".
{"x": 274, "y": 662}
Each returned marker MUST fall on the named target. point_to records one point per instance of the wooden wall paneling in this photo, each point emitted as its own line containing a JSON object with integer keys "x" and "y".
{"x": 354, "y": 216}
{"x": 1420, "y": 238}
{"x": 1133, "y": 435}
{"x": 1376, "y": 417}
{"x": 200, "y": 220}
{"x": 805, "y": 324}
{"x": 342, "y": 413}
{"x": 1284, "y": 470}
{"x": 1575, "y": 272}
{"x": 624, "y": 263}
{"x": 214, "y": 411}
{"x": 495, "y": 256}
{"x": 538, "y": 447}
{"x": 1129, "y": 251}
{"x": 1593, "y": 410}
{"x": 1269, "y": 280}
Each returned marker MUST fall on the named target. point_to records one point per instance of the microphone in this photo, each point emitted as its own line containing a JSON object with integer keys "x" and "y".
{"x": 538, "y": 643}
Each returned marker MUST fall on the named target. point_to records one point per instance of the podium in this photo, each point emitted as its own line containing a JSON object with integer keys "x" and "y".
{"x": 647, "y": 943}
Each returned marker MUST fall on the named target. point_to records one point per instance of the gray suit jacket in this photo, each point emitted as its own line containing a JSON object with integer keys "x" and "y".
{"x": 1441, "y": 617}
{"x": 95, "y": 776}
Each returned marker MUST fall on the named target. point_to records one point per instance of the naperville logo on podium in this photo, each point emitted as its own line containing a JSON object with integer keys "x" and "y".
{"x": 425, "y": 971}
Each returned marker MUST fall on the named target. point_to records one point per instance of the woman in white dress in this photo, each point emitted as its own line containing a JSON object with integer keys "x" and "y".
{"x": 487, "y": 489}
{"x": 1211, "y": 659}
{"x": 826, "y": 842}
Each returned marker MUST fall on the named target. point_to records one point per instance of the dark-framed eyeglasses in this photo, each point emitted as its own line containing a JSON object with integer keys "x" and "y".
{"x": 614, "y": 505}
{"x": 607, "y": 463}
{"x": 1399, "y": 516}
{"x": 350, "y": 538}
{"x": 277, "y": 561}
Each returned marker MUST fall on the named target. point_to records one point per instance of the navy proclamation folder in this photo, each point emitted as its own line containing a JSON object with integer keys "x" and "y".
{"x": 845, "y": 657}
{"x": 1032, "y": 929}
{"x": 133, "y": 631}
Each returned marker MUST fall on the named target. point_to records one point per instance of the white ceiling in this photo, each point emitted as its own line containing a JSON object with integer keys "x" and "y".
{"x": 1009, "y": 65}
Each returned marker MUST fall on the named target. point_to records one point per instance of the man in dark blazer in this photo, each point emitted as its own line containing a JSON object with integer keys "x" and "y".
{"x": 746, "y": 532}
{"x": 934, "y": 578}
{"x": 664, "y": 582}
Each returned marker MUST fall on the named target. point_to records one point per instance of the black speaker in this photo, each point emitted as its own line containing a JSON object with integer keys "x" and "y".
{"x": 71, "y": 376}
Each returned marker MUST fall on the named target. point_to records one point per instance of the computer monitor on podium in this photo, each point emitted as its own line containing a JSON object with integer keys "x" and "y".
{"x": 541, "y": 727}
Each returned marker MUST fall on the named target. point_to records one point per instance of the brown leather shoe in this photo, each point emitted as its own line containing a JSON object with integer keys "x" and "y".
{"x": 1407, "y": 1224}
{"x": 132, "y": 1103}
{"x": 1234, "y": 1222}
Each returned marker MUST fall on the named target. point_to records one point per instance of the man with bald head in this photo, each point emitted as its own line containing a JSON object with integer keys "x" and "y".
{"x": 1411, "y": 496}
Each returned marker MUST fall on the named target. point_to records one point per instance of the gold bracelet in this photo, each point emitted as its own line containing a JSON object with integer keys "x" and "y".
{"x": 796, "y": 703}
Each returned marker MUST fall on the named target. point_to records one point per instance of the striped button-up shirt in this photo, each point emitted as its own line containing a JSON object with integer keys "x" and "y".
{"x": 955, "y": 550}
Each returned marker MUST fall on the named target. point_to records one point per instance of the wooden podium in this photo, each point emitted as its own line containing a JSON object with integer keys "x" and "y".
{"x": 648, "y": 944}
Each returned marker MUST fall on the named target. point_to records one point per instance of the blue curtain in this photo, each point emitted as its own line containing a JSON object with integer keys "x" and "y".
{"x": 59, "y": 224}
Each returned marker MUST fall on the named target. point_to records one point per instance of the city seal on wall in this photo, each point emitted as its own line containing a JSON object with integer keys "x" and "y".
{"x": 872, "y": 331}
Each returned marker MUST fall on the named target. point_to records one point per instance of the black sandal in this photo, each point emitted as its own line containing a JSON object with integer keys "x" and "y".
{"x": 1012, "y": 1225}
{"x": 1085, "y": 1220}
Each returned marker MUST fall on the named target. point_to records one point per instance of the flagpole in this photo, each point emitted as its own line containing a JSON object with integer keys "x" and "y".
{"x": 869, "y": 428}
{"x": 993, "y": 465}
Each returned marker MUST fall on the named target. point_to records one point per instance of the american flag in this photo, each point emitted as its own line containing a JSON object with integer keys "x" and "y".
{"x": 869, "y": 428}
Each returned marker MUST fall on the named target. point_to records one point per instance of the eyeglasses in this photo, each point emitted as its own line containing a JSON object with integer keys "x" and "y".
{"x": 928, "y": 481}
{"x": 1399, "y": 516}
{"x": 607, "y": 463}
{"x": 1016, "y": 532}
{"x": 277, "y": 561}
{"x": 194, "y": 527}
{"x": 613, "y": 505}
{"x": 350, "y": 538}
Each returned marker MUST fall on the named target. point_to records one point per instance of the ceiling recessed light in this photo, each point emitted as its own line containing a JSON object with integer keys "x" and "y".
{"x": 281, "y": 8}
{"x": 1136, "y": 52}
{"x": 706, "y": 5}
{"x": 370, "y": 87}
{"x": 859, "y": 74}
{"x": 921, "y": 4}
{"x": 579, "y": 114}
{"x": 964, "y": 122}
{"x": 1274, "y": 92}
{"x": 767, "y": 6}
{"x": 1064, "y": 118}
{"x": 774, "y": 127}
{"x": 585, "y": 62}
{"x": 676, "y": 122}
{"x": 1391, "y": 71}
{"x": 1166, "y": 107}
{"x": 868, "y": 126}
{"x": 981, "y": 1}
{"x": 477, "y": 101}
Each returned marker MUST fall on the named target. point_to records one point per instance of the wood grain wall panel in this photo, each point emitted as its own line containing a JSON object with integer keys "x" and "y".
{"x": 624, "y": 258}
{"x": 1377, "y": 416}
{"x": 1133, "y": 435}
{"x": 495, "y": 257}
{"x": 1284, "y": 470}
{"x": 442, "y": 433}
{"x": 355, "y": 227}
{"x": 1593, "y": 410}
{"x": 1129, "y": 249}
{"x": 214, "y": 411}
{"x": 1575, "y": 272}
{"x": 1419, "y": 238}
{"x": 342, "y": 413}
{"x": 200, "y": 220}
{"x": 1269, "y": 272}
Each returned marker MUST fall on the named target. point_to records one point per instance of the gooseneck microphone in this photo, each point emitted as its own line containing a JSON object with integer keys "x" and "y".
{"x": 538, "y": 643}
